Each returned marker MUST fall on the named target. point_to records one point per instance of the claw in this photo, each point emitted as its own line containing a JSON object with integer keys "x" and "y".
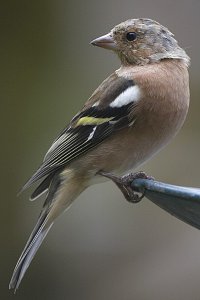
{"x": 124, "y": 184}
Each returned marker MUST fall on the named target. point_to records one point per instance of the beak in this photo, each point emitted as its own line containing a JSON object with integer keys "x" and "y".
{"x": 105, "y": 41}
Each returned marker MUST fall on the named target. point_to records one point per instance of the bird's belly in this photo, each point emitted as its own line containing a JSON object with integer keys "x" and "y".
{"x": 131, "y": 147}
{"x": 121, "y": 153}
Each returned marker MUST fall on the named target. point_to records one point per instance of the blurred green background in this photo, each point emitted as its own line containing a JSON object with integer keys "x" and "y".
{"x": 103, "y": 247}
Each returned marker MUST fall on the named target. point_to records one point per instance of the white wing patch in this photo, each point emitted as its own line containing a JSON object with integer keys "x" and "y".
{"x": 95, "y": 104}
{"x": 92, "y": 133}
{"x": 131, "y": 94}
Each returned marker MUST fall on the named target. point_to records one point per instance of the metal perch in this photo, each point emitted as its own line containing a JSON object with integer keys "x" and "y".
{"x": 181, "y": 202}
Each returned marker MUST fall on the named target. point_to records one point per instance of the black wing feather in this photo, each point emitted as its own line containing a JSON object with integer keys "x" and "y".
{"x": 74, "y": 140}
{"x": 63, "y": 155}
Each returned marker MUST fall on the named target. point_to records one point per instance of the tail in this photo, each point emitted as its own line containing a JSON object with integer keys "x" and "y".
{"x": 34, "y": 242}
{"x": 60, "y": 195}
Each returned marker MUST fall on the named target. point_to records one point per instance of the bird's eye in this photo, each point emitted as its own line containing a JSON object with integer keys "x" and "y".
{"x": 131, "y": 36}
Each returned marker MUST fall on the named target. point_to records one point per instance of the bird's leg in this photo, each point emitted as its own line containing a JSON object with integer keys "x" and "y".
{"x": 124, "y": 184}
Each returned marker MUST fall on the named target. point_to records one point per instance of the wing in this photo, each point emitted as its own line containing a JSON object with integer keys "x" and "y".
{"x": 95, "y": 123}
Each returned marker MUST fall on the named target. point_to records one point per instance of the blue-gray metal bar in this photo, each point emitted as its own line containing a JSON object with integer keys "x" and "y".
{"x": 181, "y": 202}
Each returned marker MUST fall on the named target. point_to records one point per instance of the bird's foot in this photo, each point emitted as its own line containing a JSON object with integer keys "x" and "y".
{"x": 124, "y": 184}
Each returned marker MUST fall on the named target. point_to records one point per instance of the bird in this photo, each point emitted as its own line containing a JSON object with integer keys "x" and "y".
{"x": 131, "y": 116}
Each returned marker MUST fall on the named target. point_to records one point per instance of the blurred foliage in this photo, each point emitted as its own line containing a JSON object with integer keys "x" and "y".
{"x": 103, "y": 248}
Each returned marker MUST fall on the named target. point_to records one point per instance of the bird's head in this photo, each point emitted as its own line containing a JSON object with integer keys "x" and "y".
{"x": 142, "y": 41}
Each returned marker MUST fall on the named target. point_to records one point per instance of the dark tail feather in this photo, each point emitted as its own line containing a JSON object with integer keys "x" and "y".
{"x": 44, "y": 186}
{"x": 59, "y": 198}
{"x": 39, "y": 232}
{"x": 37, "y": 236}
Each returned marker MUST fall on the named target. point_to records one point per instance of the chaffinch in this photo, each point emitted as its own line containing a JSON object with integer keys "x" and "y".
{"x": 136, "y": 111}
